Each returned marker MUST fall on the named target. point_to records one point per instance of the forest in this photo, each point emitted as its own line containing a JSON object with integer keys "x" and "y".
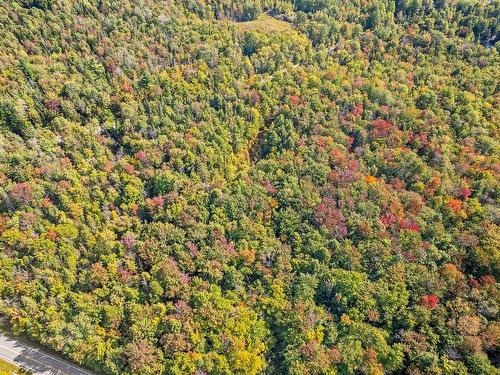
{"x": 296, "y": 187}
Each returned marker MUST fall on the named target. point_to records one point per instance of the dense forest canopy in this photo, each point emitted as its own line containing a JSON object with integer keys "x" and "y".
{"x": 245, "y": 187}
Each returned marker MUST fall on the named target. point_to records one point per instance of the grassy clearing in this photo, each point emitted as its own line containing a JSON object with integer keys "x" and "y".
{"x": 8, "y": 369}
{"x": 265, "y": 23}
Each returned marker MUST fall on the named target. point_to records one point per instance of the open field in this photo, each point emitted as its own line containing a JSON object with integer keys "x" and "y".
{"x": 265, "y": 23}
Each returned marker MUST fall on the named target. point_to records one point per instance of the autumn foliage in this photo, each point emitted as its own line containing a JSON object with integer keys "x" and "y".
{"x": 250, "y": 187}
{"x": 430, "y": 301}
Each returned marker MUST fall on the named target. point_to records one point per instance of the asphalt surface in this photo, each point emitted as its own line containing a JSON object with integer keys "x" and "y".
{"x": 36, "y": 360}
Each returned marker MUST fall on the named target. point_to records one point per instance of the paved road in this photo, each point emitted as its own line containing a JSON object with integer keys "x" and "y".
{"x": 36, "y": 360}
